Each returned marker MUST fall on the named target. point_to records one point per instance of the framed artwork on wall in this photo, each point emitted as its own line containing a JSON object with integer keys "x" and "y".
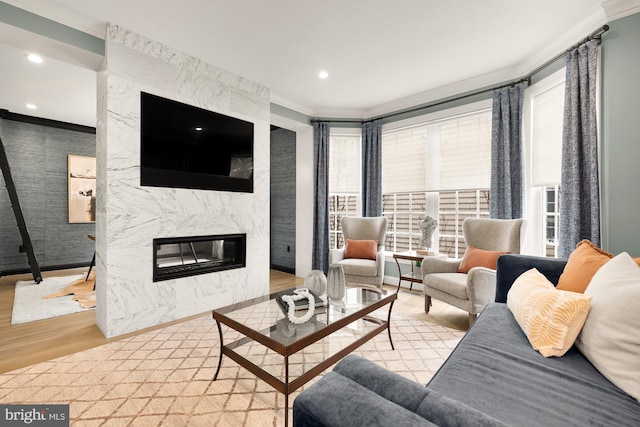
{"x": 82, "y": 189}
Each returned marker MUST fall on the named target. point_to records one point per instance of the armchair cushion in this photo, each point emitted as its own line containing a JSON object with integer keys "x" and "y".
{"x": 360, "y": 267}
{"x": 363, "y": 249}
{"x": 452, "y": 283}
{"x": 474, "y": 257}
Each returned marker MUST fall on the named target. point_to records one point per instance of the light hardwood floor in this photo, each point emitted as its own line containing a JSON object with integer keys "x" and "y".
{"x": 29, "y": 343}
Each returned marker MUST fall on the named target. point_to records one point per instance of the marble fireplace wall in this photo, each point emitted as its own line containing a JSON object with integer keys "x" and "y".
{"x": 129, "y": 216}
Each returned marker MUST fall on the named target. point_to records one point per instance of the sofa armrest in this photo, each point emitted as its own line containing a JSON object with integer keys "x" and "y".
{"x": 510, "y": 267}
{"x": 360, "y": 393}
{"x": 336, "y": 255}
{"x": 431, "y": 264}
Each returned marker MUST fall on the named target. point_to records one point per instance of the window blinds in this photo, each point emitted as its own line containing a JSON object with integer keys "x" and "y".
{"x": 451, "y": 154}
{"x": 344, "y": 164}
{"x": 546, "y": 135}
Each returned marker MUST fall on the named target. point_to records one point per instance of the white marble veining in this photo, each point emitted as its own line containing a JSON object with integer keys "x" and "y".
{"x": 129, "y": 216}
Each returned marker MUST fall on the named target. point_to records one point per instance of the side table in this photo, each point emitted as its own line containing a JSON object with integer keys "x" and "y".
{"x": 415, "y": 276}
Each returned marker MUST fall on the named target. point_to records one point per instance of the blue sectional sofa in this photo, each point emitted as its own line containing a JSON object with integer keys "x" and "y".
{"x": 493, "y": 377}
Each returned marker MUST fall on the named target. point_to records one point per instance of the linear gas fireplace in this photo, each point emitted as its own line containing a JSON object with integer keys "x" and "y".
{"x": 187, "y": 256}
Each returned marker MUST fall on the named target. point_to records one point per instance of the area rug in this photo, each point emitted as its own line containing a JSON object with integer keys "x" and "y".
{"x": 164, "y": 377}
{"x": 29, "y": 304}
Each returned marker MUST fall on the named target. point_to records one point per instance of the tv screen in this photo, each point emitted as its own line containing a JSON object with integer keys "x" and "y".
{"x": 183, "y": 146}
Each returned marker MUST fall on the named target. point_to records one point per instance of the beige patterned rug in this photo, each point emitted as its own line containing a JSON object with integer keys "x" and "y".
{"x": 163, "y": 377}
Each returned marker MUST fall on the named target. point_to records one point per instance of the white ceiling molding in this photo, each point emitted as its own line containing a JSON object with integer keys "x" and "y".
{"x": 444, "y": 92}
{"x": 63, "y": 15}
{"x": 616, "y": 9}
{"x": 583, "y": 26}
{"x": 304, "y": 109}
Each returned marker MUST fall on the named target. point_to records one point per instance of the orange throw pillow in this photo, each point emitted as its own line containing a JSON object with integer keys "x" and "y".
{"x": 363, "y": 249}
{"x": 475, "y": 257}
{"x": 582, "y": 264}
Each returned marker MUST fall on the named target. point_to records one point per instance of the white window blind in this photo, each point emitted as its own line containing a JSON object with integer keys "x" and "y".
{"x": 344, "y": 164}
{"x": 546, "y": 135}
{"x": 404, "y": 160}
{"x": 450, "y": 154}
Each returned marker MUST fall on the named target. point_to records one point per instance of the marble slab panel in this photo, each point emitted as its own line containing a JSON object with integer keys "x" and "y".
{"x": 131, "y": 216}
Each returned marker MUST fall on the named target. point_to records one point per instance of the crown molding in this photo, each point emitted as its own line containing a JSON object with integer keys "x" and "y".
{"x": 441, "y": 93}
{"x": 583, "y": 26}
{"x": 295, "y": 106}
{"x": 62, "y": 15}
{"x": 616, "y": 9}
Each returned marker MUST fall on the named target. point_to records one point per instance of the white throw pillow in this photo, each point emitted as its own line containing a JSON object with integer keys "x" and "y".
{"x": 610, "y": 337}
{"x": 550, "y": 318}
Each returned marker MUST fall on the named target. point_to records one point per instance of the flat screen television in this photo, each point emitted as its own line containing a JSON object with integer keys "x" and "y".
{"x": 182, "y": 146}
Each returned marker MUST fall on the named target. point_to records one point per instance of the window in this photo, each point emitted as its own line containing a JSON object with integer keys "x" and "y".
{"x": 551, "y": 216}
{"x": 543, "y": 116}
{"x": 344, "y": 183}
{"x": 439, "y": 166}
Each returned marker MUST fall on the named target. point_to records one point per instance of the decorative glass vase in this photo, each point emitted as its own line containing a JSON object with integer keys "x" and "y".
{"x": 336, "y": 282}
{"x": 316, "y": 282}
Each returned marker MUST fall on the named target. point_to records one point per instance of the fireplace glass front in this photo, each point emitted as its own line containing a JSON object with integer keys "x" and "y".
{"x": 187, "y": 256}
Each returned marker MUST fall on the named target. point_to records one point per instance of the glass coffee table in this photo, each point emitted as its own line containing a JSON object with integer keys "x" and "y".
{"x": 270, "y": 347}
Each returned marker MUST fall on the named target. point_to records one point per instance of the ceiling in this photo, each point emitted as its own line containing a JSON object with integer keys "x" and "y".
{"x": 381, "y": 56}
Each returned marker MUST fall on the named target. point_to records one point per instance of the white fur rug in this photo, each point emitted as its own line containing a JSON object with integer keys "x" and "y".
{"x": 29, "y": 306}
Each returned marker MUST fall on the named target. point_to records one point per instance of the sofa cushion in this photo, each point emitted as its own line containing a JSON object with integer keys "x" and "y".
{"x": 359, "y": 267}
{"x": 364, "y": 249}
{"x": 582, "y": 264}
{"x": 550, "y": 318}
{"x": 474, "y": 257}
{"x": 495, "y": 370}
{"x": 451, "y": 283}
{"x": 610, "y": 338}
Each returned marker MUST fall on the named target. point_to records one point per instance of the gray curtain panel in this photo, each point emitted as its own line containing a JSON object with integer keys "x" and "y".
{"x": 579, "y": 184}
{"x": 507, "y": 165}
{"x": 320, "y": 259}
{"x": 372, "y": 168}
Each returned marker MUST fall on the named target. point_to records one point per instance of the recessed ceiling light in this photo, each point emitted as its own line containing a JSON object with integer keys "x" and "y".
{"x": 31, "y": 106}
{"x": 198, "y": 129}
{"x": 323, "y": 75}
{"x": 35, "y": 58}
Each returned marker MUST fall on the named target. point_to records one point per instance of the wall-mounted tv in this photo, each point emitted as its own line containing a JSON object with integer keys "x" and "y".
{"x": 182, "y": 146}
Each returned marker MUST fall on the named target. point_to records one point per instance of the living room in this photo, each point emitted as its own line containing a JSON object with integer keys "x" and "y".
{"x": 139, "y": 212}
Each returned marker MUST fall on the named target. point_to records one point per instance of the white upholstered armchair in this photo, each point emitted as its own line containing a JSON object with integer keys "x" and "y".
{"x": 471, "y": 291}
{"x": 368, "y": 270}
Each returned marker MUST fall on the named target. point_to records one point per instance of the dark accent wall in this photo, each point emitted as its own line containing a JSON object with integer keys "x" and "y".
{"x": 283, "y": 200}
{"x": 37, "y": 155}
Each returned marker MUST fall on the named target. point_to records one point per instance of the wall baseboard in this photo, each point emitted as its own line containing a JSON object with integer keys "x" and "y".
{"x": 284, "y": 269}
{"x": 44, "y": 268}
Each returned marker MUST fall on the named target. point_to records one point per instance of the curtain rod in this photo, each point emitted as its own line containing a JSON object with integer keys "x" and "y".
{"x": 596, "y": 35}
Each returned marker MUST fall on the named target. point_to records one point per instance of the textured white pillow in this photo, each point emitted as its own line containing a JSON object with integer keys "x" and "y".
{"x": 550, "y": 318}
{"x": 610, "y": 337}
